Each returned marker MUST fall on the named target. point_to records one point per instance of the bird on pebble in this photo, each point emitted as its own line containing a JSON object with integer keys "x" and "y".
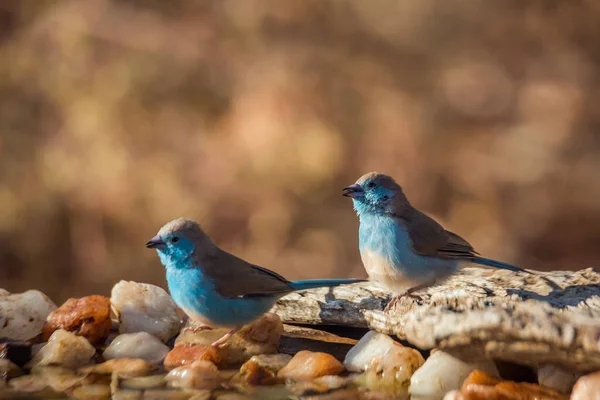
{"x": 216, "y": 288}
{"x": 403, "y": 249}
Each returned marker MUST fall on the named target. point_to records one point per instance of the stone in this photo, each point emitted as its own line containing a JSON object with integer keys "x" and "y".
{"x": 9, "y": 370}
{"x": 537, "y": 319}
{"x": 141, "y": 345}
{"x": 122, "y": 367}
{"x": 442, "y": 373}
{"x": 557, "y": 378}
{"x": 142, "y": 307}
{"x": 307, "y": 365}
{"x": 273, "y": 362}
{"x": 88, "y": 317}
{"x": 65, "y": 349}
{"x": 23, "y": 315}
{"x": 323, "y": 384}
{"x": 296, "y": 338}
{"x": 587, "y": 387}
{"x": 261, "y": 370}
{"x": 387, "y": 365}
{"x": 143, "y": 382}
{"x": 481, "y": 386}
{"x": 260, "y": 337}
{"x": 375, "y": 350}
{"x": 92, "y": 392}
{"x": 198, "y": 375}
{"x": 18, "y": 352}
{"x": 187, "y": 354}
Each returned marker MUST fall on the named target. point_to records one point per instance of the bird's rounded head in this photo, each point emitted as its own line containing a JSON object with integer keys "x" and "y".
{"x": 377, "y": 193}
{"x": 178, "y": 240}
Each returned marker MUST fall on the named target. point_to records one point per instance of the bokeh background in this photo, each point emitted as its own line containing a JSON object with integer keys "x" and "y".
{"x": 117, "y": 116}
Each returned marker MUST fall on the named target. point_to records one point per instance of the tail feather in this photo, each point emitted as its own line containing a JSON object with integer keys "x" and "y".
{"x": 496, "y": 264}
{"x": 315, "y": 283}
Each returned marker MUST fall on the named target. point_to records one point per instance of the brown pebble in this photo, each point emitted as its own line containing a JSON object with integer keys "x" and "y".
{"x": 306, "y": 365}
{"x": 187, "y": 354}
{"x": 481, "y": 386}
{"x": 88, "y": 317}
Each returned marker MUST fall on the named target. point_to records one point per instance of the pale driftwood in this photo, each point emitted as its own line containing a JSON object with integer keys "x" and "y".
{"x": 530, "y": 319}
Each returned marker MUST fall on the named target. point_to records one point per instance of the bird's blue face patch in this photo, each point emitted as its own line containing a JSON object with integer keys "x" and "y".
{"x": 177, "y": 250}
{"x": 374, "y": 199}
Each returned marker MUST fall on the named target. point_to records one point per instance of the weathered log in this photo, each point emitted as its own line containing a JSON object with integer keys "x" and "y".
{"x": 531, "y": 319}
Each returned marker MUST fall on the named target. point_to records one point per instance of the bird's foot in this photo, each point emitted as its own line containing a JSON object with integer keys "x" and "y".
{"x": 200, "y": 328}
{"x": 396, "y": 299}
{"x": 223, "y": 340}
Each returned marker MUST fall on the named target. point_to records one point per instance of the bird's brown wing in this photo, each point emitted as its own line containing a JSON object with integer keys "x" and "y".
{"x": 430, "y": 239}
{"x": 234, "y": 277}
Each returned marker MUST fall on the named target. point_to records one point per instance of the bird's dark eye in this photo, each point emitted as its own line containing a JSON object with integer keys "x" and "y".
{"x": 175, "y": 239}
{"x": 385, "y": 198}
{"x": 371, "y": 185}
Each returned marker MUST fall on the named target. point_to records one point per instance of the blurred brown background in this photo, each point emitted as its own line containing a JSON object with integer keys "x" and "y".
{"x": 250, "y": 116}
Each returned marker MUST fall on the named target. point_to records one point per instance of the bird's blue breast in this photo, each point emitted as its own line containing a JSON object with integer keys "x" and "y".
{"x": 387, "y": 252}
{"x": 196, "y": 295}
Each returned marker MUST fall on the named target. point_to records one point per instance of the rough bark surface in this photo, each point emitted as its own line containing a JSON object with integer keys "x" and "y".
{"x": 534, "y": 319}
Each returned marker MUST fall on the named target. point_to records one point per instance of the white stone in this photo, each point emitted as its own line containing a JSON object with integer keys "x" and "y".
{"x": 65, "y": 349}
{"x": 142, "y": 307}
{"x": 443, "y": 373}
{"x": 200, "y": 374}
{"x": 22, "y": 315}
{"x": 137, "y": 345}
{"x": 557, "y": 378}
{"x": 453, "y": 395}
{"x": 587, "y": 387}
{"x": 379, "y": 351}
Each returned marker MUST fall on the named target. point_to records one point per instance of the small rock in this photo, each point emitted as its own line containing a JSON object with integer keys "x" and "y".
{"x": 587, "y": 387}
{"x": 166, "y": 394}
{"x": 199, "y": 375}
{"x": 88, "y": 317}
{"x": 23, "y": 314}
{"x": 28, "y": 383}
{"x": 143, "y": 382}
{"x": 64, "y": 349}
{"x": 387, "y": 364}
{"x": 137, "y": 345}
{"x": 122, "y": 367}
{"x": 9, "y": 370}
{"x": 142, "y": 307}
{"x": 481, "y": 386}
{"x": 442, "y": 373}
{"x": 320, "y": 385}
{"x": 260, "y": 337}
{"x": 252, "y": 374}
{"x": 61, "y": 379}
{"x": 233, "y": 396}
{"x": 454, "y": 395}
{"x": 261, "y": 370}
{"x": 273, "y": 362}
{"x": 17, "y": 352}
{"x": 557, "y": 378}
{"x": 187, "y": 354}
{"x": 92, "y": 392}
{"x": 307, "y": 365}
{"x": 370, "y": 347}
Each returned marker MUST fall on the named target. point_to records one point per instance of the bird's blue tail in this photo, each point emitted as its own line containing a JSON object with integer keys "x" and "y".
{"x": 315, "y": 283}
{"x": 496, "y": 264}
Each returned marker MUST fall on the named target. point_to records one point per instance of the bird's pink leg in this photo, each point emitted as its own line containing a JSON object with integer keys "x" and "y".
{"x": 200, "y": 328}
{"x": 408, "y": 293}
{"x": 225, "y": 337}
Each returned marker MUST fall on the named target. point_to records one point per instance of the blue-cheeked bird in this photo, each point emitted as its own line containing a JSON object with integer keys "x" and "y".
{"x": 215, "y": 287}
{"x": 401, "y": 248}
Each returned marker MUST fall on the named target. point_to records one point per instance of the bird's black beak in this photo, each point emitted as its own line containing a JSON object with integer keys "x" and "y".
{"x": 155, "y": 242}
{"x": 354, "y": 191}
